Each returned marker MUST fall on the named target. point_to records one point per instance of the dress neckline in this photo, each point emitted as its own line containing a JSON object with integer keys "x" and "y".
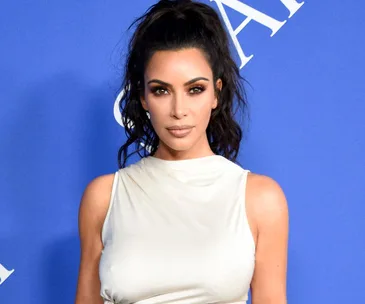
{"x": 190, "y": 163}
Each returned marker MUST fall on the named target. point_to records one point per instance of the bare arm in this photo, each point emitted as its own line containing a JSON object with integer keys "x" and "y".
{"x": 270, "y": 213}
{"x": 93, "y": 208}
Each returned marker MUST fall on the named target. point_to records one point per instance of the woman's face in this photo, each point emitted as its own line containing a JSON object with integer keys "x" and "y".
{"x": 180, "y": 95}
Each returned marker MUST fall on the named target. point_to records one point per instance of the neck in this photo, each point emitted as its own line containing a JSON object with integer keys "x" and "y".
{"x": 165, "y": 152}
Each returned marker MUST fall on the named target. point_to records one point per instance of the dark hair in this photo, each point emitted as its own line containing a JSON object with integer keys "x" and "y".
{"x": 174, "y": 25}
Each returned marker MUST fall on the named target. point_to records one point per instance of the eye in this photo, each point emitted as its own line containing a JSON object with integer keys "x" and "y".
{"x": 159, "y": 90}
{"x": 196, "y": 90}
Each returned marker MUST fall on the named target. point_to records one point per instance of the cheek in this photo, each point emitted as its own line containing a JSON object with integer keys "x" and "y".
{"x": 202, "y": 107}
{"x": 158, "y": 112}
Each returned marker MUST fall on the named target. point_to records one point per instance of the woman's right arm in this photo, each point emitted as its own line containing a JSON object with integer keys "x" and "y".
{"x": 93, "y": 208}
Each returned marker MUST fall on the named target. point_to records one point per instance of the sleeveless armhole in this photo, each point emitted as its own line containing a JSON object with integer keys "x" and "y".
{"x": 252, "y": 240}
{"x": 111, "y": 200}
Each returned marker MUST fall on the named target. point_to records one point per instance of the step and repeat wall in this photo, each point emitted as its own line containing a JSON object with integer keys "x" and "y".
{"x": 60, "y": 70}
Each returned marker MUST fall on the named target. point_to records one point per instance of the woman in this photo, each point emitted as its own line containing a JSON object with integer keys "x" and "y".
{"x": 185, "y": 224}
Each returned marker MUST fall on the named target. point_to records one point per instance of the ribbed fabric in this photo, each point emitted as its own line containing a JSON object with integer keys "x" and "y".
{"x": 176, "y": 232}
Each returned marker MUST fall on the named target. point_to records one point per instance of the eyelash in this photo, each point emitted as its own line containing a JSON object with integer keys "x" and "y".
{"x": 154, "y": 90}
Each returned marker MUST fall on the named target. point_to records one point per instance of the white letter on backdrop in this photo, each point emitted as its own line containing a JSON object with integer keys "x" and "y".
{"x": 4, "y": 273}
{"x": 292, "y": 6}
{"x": 252, "y": 14}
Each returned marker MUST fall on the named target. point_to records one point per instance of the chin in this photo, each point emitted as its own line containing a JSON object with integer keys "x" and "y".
{"x": 179, "y": 146}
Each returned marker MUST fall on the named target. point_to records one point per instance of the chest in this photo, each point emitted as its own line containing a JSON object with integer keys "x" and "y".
{"x": 208, "y": 267}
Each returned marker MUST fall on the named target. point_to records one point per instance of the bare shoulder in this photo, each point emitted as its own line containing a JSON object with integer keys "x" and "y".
{"x": 97, "y": 189}
{"x": 266, "y": 202}
{"x": 265, "y": 194}
{"x": 95, "y": 201}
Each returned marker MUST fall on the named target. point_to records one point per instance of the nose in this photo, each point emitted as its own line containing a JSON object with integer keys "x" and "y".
{"x": 178, "y": 107}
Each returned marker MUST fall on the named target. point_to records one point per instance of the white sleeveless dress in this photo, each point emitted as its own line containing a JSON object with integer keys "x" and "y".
{"x": 176, "y": 232}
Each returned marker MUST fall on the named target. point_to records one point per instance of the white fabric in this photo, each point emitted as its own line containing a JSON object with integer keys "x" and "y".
{"x": 176, "y": 232}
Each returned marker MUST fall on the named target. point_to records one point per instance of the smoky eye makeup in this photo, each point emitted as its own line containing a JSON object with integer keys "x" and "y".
{"x": 196, "y": 89}
{"x": 158, "y": 90}
{"x": 192, "y": 90}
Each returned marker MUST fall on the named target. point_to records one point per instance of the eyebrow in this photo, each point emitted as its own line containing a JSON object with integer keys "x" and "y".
{"x": 185, "y": 84}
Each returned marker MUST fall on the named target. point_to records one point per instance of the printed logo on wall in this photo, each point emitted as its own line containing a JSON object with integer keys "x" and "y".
{"x": 251, "y": 14}
{"x": 4, "y": 274}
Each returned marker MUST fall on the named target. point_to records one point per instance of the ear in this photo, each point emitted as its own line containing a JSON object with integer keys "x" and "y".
{"x": 218, "y": 89}
{"x": 143, "y": 102}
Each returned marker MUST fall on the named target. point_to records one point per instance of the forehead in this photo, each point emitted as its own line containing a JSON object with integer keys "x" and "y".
{"x": 184, "y": 64}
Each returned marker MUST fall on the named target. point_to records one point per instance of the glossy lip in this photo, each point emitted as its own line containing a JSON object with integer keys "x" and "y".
{"x": 180, "y": 131}
{"x": 184, "y": 127}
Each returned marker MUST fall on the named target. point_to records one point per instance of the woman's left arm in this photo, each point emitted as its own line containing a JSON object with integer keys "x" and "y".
{"x": 271, "y": 216}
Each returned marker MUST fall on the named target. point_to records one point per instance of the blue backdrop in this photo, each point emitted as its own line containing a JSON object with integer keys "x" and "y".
{"x": 60, "y": 68}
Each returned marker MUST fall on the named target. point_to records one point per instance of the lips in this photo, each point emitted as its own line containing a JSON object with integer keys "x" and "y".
{"x": 179, "y": 131}
{"x": 179, "y": 127}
